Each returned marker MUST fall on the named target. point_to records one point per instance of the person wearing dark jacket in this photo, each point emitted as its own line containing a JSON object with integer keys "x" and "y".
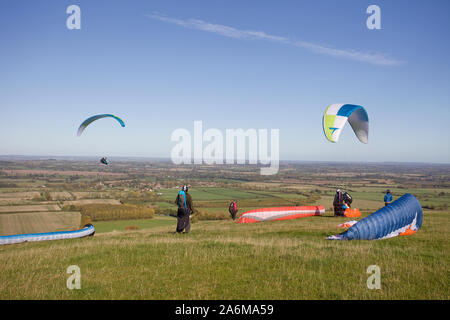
{"x": 185, "y": 209}
{"x": 338, "y": 202}
{"x": 387, "y": 197}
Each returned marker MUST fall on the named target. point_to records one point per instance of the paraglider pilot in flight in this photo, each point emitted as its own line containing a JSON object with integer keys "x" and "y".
{"x": 104, "y": 161}
{"x": 185, "y": 209}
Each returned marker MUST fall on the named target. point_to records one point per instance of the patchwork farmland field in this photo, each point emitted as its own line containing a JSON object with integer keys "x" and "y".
{"x": 30, "y": 208}
{"x": 91, "y": 201}
{"x": 36, "y": 222}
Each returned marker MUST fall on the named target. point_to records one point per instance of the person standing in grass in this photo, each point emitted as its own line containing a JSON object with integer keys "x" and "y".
{"x": 387, "y": 197}
{"x": 233, "y": 209}
{"x": 185, "y": 209}
{"x": 338, "y": 203}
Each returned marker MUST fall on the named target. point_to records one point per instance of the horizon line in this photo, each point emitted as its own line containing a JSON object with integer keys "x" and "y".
{"x": 49, "y": 157}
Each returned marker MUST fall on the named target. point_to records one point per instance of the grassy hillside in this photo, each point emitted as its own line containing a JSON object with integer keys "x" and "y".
{"x": 121, "y": 225}
{"x": 144, "y": 259}
{"x": 224, "y": 260}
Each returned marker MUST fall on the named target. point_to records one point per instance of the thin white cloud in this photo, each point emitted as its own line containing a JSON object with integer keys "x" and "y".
{"x": 226, "y": 31}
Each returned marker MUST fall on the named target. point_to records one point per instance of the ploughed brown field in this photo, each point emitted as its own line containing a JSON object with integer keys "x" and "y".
{"x": 30, "y": 208}
{"x": 36, "y": 222}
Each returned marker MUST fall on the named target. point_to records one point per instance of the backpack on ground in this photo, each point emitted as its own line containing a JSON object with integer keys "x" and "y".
{"x": 348, "y": 198}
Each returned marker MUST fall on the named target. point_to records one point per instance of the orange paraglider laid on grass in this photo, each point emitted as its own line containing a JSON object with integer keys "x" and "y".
{"x": 352, "y": 213}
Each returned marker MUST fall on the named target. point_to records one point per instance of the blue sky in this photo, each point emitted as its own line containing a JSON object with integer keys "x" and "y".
{"x": 160, "y": 65}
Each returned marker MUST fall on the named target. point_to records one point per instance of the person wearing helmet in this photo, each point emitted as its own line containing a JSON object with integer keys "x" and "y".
{"x": 338, "y": 202}
{"x": 387, "y": 197}
{"x": 185, "y": 209}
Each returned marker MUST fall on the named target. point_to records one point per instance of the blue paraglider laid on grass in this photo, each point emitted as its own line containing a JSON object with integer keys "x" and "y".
{"x": 88, "y": 230}
{"x": 402, "y": 217}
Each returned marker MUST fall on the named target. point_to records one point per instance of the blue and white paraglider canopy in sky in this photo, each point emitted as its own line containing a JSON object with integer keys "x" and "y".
{"x": 337, "y": 115}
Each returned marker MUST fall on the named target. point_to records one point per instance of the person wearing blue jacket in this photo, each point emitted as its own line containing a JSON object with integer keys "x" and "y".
{"x": 387, "y": 197}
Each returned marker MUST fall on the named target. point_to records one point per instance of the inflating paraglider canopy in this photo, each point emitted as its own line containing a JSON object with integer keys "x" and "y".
{"x": 89, "y": 120}
{"x": 337, "y": 115}
{"x": 401, "y": 217}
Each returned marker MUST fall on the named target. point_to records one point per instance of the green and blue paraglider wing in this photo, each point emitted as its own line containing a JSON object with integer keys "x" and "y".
{"x": 89, "y": 120}
{"x": 337, "y": 115}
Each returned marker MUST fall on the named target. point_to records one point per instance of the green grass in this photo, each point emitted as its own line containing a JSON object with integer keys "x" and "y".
{"x": 165, "y": 205}
{"x": 120, "y": 225}
{"x": 225, "y": 260}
